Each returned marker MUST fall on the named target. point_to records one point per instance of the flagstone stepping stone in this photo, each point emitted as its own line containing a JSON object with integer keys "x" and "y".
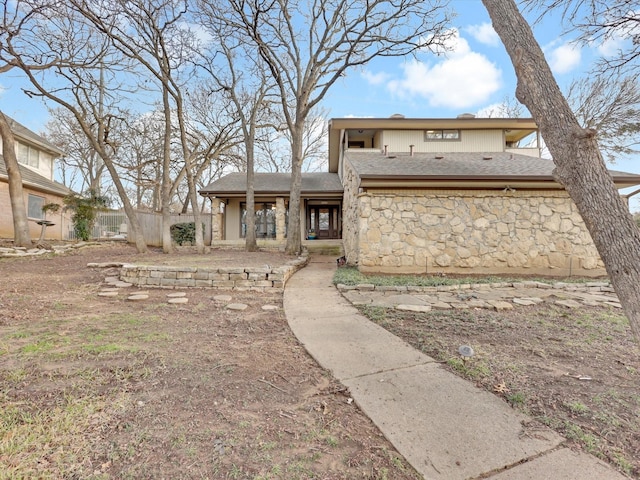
{"x": 440, "y": 306}
{"x": 414, "y": 308}
{"x": 122, "y": 284}
{"x": 477, "y": 304}
{"x": 568, "y": 303}
{"x": 178, "y": 300}
{"x": 104, "y": 290}
{"x": 270, "y": 307}
{"x": 222, "y": 298}
{"x": 108, "y": 294}
{"x": 176, "y": 294}
{"x": 237, "y": 306}
{"x": 137, "y": 297}
{"x": 614, "y": 304}
{"x": 111, "y": 279}
{"x": 591, "y": 303}
{"x": 500, "y": 305}
{"x": 524, "y": 301}
{"x": 460, "y": 306}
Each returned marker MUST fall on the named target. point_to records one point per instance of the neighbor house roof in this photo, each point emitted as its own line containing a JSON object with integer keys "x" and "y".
{"x": 35, "y": 181}
{"x": 490, "y": 169}
{"x": 27, "y": 136}
{"x": 235, "y": 184}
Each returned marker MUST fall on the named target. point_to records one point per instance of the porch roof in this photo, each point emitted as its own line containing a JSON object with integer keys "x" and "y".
{"x": 466, "y": 167}
{"x": 313, "y": 184}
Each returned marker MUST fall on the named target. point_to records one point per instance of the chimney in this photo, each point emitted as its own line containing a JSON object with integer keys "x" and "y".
{"x": 411, "y": 150}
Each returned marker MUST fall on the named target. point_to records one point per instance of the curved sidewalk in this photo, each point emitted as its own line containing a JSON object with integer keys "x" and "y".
{"x": 443, "y": 425}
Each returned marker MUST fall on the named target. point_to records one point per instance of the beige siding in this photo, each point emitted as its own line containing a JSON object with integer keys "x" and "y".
{"x": 470, "y": 141}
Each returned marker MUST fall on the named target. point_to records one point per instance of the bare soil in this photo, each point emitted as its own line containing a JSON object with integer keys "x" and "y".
{"x": 575, "y": 370}
{"x": 103, "y": 388}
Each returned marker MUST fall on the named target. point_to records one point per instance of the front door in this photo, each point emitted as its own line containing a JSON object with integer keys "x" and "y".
{"x": 324, "y": 221}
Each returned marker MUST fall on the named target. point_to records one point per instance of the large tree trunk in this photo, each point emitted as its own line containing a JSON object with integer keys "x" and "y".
{"x": 21, "y": 236}
{"x": 294, "y": 237}
{"x": 579, "y": 164}
{"x": 251, "y": 245}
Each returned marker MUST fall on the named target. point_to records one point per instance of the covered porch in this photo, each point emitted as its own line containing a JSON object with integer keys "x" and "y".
{"x": 320, "y": 207}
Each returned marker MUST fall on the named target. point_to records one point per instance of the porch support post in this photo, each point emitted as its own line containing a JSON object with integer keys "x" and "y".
{"x": 280, "y": 219}
{"x": 216, "y": 220}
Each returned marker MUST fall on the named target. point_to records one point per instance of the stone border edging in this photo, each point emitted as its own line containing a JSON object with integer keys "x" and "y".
{"x": 604, "y": 286}
{"x": 224, "y": 278}
{"x": 12, "y": 252}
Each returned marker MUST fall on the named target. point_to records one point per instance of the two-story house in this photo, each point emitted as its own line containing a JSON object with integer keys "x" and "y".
{"x": 36, "y": 157}
{"x": 463, "y": 196}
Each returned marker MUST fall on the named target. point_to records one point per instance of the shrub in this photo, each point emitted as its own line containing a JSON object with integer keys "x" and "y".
{"x": 182, "y": 233}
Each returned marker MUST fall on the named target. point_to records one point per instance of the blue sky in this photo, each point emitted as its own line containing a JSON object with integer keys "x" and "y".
{"x": 474, "y": 77}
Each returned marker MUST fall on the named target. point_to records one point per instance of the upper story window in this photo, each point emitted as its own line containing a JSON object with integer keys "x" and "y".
{"x": 28, "y": 155}
{"x": 440, "y": 135}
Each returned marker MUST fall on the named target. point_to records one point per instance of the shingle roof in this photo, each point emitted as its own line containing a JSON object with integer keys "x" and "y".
{"x": 34, "y": 180}
{"x": 274, "y": 183}
{"x": 23, "y": 133}
{"x": 469, "y": 166}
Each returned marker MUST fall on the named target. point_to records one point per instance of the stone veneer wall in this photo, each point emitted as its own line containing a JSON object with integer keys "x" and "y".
{"x": 474, "y": 232}
{"x": 350, "y": 215}
{"x": 224, "y": 278}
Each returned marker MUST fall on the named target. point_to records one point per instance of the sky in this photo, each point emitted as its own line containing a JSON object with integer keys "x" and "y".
{"x": 474, "y": 77}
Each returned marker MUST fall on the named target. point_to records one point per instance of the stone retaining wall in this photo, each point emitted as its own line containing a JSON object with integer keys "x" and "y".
{"x": 224, "y": 278}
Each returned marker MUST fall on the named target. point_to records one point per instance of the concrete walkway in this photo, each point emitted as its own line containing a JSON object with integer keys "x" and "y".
{"x": 443, "y": 425}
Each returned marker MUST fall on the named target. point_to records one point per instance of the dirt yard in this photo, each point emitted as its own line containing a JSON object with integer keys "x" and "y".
{"x": 575, "y": 370}
{"x": 104, "y": 388}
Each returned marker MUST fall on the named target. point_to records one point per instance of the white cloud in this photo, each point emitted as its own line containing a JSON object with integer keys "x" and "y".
{"x": 564, "y": 58}
{"x": 463, "y": 79}
{"x": 484, "y": 33}
{"x": 610, "y": 46}
{"x": 375, "y": 78}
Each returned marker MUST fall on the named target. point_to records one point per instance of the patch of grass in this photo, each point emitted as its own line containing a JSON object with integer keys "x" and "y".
{"x": 106, "y": 348}
{"x": 576, "y": 407}
{"x": 351, "y": 276}
{"x": 471, "y": 369}
{"x": 517, "y": 399}
{"x": 29, "y": 433}
{"x": 590, "y": 442}
{"x": 375, "y": 314}
{"x": 38, "y": 347}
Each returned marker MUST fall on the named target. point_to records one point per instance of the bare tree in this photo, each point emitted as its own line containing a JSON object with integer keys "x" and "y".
{"x": 579, "y": 164}
{"x": 11, "y": 25}
{"x": 274, "y": 152}
{"x": 150, "y": 34}
{"x": 609, "y": 104}
{"x": 21, "y": 236}
{"x": 80, "y": 159}
{"x": 307, "y": 47}
{"x": 611, "y": 23}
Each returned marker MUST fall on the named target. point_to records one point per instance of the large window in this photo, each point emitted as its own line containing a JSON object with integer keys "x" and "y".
{"x": 441, "y": 135}
{"x": 34, "y": 209}
{"x": 28, "y": 155}
{"x": 265, "y": 220}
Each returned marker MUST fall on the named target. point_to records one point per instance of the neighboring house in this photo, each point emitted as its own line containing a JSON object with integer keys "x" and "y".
{"x": 462, "y": 196}
{"x": 36, "y": 157}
